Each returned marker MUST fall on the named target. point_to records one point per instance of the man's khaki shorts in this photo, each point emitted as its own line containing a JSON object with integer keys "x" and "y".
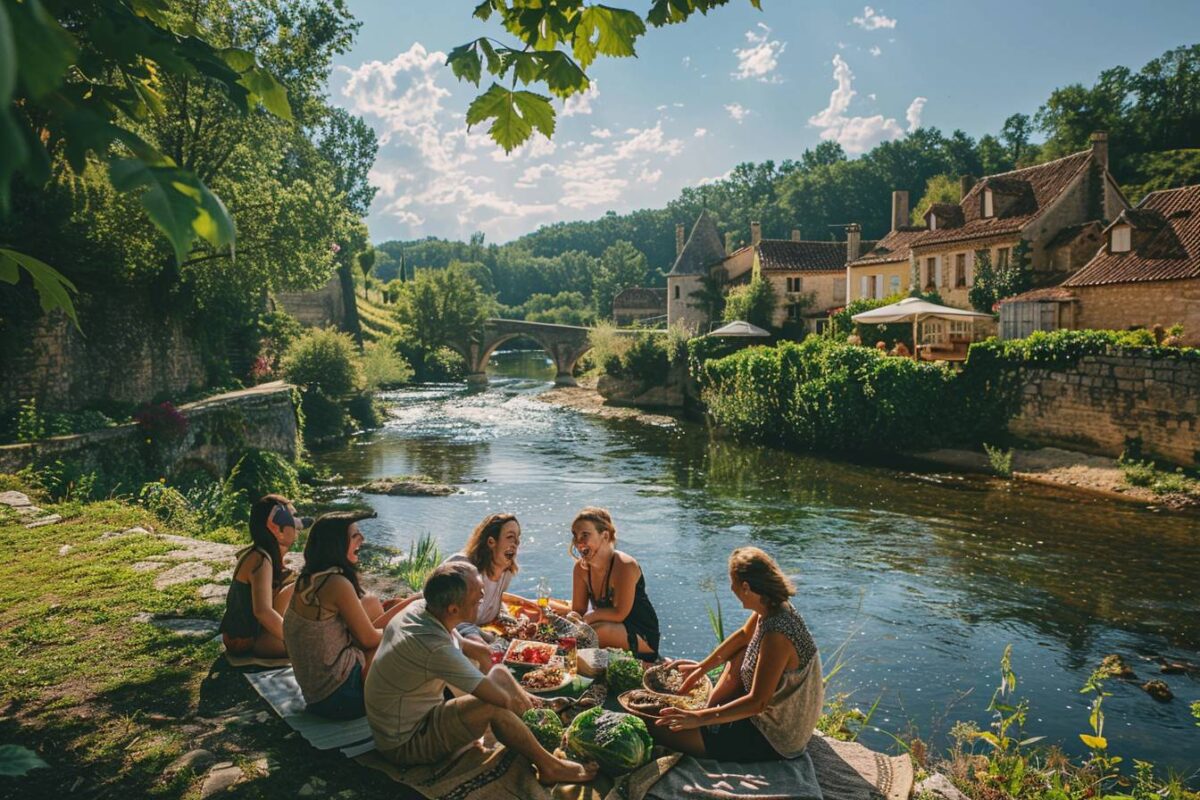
{"x": 440, "y": 733}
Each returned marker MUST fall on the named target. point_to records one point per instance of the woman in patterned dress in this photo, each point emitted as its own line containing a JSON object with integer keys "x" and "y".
{"x": 768, "y": 698}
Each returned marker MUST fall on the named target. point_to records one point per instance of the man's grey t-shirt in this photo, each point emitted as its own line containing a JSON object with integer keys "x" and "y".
{"x": 415, "y": 661}
{"x": 493, "y": 591}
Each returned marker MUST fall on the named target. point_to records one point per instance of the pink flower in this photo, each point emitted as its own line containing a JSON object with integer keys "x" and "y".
{"x": 335, "y": 248}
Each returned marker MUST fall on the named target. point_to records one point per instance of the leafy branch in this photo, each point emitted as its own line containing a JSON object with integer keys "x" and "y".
{"x": 561, "y": 39}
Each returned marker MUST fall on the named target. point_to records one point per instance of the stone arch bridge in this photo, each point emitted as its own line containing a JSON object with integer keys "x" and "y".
{"x": 565, "y": 344}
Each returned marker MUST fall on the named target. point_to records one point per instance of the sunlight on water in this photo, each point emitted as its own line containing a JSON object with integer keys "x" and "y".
{"x": 927, "y": 576}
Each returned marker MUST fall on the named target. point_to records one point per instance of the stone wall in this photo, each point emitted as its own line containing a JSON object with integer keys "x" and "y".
{"x": 219, "y": 430}
{"x": 1142, "y": 305}
{"x": 320, "y": 309}
{"x": 127, "y": 352}
{"x": 1106, "y": 402}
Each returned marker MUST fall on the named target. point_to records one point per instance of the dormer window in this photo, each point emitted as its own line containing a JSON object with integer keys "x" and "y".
{"x": 1119, "y": 243}
{"x": 988, "y": 207}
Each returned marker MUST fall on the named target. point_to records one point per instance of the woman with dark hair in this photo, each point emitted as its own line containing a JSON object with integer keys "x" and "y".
{"x": 261, "y": 588}
{"x": 609, "y": 587}
{"x": 492, "y": 548}
{"x": 768, "y": 698}
{"x": 332, "y": 626}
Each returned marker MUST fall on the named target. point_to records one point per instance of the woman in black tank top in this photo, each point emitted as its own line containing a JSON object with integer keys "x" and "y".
{"x": 609, "y": 587}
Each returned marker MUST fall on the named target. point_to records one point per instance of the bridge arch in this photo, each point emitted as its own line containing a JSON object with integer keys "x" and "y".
{"x": 565, "y": 344}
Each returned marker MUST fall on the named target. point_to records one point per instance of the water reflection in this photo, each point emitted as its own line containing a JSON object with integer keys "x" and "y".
{"x": 930, "y": 576}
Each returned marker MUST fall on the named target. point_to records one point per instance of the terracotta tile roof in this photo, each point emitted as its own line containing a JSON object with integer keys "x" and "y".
{"x": 784, "y": 255}
{"x": 891, "y": 248}
{"x": 703, "y": 248}
{"x": 1024, "y": 194}
{"x": 1048, "y": 293}
{"x": 641, "y": 297}
{"x": 949, "y": 215}
{"x": 1166, "y": 243}
{"x": 1068, "y": 235}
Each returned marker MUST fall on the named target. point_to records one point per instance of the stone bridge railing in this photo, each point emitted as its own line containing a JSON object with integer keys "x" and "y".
{"x": 565, "y": 344}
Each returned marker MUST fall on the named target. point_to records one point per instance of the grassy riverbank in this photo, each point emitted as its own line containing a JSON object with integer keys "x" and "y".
{"x": 116, "y": 705}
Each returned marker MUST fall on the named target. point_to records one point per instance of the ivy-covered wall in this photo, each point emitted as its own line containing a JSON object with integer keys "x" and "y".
{"x": 209, "y": 434}
{"x": 130, "y": 351}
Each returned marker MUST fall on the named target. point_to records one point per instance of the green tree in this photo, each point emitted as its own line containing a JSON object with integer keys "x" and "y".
{"x": 440, "y": 305}
{"x": 938, "y": 189}
{"x": 558, "y": 42}
{"x": 995, "y": 282}
{"x": 77, "y": 83}
{"x": 753, "y": 303}
{"x": 1015, "y": 133}
{"x": 710, "y": 297}
{"x": 621, "y": 266}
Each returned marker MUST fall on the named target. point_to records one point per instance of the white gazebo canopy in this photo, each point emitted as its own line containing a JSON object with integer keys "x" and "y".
{"x": 914, "y": 309}
{"x": 739, "y": 328}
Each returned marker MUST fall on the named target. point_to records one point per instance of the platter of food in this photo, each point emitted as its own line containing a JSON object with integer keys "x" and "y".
{"x": 666, "y": 679}
{"x": 550, "y": 678}
{"x": 524, "y": 654}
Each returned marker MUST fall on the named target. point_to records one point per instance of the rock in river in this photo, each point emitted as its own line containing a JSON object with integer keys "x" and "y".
{"x": 1158, "y": 690}
{"x": 408, "y": 486}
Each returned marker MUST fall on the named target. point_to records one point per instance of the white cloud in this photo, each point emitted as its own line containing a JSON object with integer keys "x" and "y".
{"x": 714, "y": 179}
{"x": 602, "y": 133}
{"x": 687, "y": 61}
{"x": 649, "y": 176}
{"x": 700, "y": 133}
{"x": 913, "y": 114}
{"x": 649, "y": 140}
{"x": 875, "y": 50}
{"x": 857, "y": 134}
{"x": 581, "y": 102}
{"x": 872, "y": 20}
{"x": 536, "y": 147}
{"x": 760, "y": 57}
{"x": 372, "y": 90}
{"x": 737, "y": 112}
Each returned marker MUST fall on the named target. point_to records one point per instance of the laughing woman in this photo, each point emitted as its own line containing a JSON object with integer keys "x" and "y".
{"x": 492, "y": 548}
{"x": 609, "y": 589}
{"x": 767, "y": 701}
{"x": 332, "y": 627}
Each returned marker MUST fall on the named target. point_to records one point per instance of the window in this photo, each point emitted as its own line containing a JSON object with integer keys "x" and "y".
{"x": 930, "y": 273}
{"x": 879, "y": 287}
{"x": 960, "y": 328}
{"x": 1120, "y": 239}
{"x": 933, "y": 222}
{"x": 839, "y": 291}
{"x": 794, "y": 284}
{"x": 864, "y": 286}
{"x": 1003, "y": 255}
{"x": 894, "y": 284}
{"x": 988, "y": 210}
{"x": 960, "y": 269}
{"x": 676, "y": 291}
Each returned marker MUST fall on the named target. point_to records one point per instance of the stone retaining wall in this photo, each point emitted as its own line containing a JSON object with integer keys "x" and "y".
{"x": 1106, "y": 403}
{"x": 219, "y": 430}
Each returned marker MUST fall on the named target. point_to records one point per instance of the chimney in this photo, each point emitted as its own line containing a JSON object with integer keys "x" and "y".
{"x": 899, "y": 209}
{"x": 795, "y": 234}
{"x": 965, "y": 182}
{"x": 853, "y": 240}
{"x": 755, "y": 233}
{"x": 678, "y": 239}
{"x": 728, "y": 243}
{"x": 1100, "y": 149}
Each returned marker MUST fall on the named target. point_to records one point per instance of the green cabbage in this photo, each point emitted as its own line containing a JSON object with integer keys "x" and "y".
{"x": 617, "y": 742}
{"x": 546, "y": 726}
{"x": 624, "y": 672}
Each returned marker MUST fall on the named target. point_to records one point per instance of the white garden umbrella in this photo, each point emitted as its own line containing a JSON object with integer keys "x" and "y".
{"x": 739, "y": 328}
{"x": 914, "y": 309}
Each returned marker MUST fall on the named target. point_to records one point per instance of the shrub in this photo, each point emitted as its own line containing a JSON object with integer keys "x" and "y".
{"x": 753, "y": 303}
{"x": 324, "y": 359}
{"x": 30, "y": 425}
{"x": 1001, "y": 460}
{"x": 324, "y": 417}
{"x": 257, "y": 473}
{"x": 607, "y": 347}
{"x": 383, "y": 367}
{"x": 277, "y": 331}
{"x": 166, "y": 502}
{"x": 365, "y": 411}
{"x": 162, "y": 422}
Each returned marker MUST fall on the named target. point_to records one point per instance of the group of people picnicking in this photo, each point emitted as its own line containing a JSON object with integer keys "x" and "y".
{"x": 353, "y": 654}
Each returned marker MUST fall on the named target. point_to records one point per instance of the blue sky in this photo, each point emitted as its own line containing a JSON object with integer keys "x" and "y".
{"x": 737, "y": 85}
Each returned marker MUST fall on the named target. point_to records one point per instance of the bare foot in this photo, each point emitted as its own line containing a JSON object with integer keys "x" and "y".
{"x": 560, "y": 770}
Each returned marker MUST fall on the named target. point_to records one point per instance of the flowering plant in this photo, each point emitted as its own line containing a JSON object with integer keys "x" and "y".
{"x": 162, "y": 421}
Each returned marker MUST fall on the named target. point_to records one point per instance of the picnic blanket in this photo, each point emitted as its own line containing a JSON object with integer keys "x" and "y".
{"x": 829, "y": 770}
{"x": 256, "y": 661}
{"x": 279, "y": 688}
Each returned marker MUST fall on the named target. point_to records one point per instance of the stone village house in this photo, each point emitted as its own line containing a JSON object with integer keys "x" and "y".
{"x": 1146, "y": 272}
{"x": 808, "y": 277}
{"x": 1058, "y": 209}
{"x": 639, "y": 304}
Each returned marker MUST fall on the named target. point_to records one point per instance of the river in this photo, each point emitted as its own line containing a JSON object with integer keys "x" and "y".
{"x": 924, "y": 577}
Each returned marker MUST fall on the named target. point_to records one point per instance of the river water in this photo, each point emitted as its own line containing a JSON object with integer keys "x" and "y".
{"x": 924, "y": 577}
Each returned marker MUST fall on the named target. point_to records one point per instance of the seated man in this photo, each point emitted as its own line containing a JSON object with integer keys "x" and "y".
{"x": 420, "y": 654}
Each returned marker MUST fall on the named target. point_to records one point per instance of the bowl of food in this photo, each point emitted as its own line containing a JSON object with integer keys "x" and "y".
{"x": 667, "y": 679}
{"x": 649, "y": 705}
{"x": 524, "y": 654}
{"x": 550, "y": 678}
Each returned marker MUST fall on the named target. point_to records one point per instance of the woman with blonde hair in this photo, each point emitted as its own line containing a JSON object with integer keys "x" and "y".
{"x": 609, "y": 587}
{"x": 768, "y": 699}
